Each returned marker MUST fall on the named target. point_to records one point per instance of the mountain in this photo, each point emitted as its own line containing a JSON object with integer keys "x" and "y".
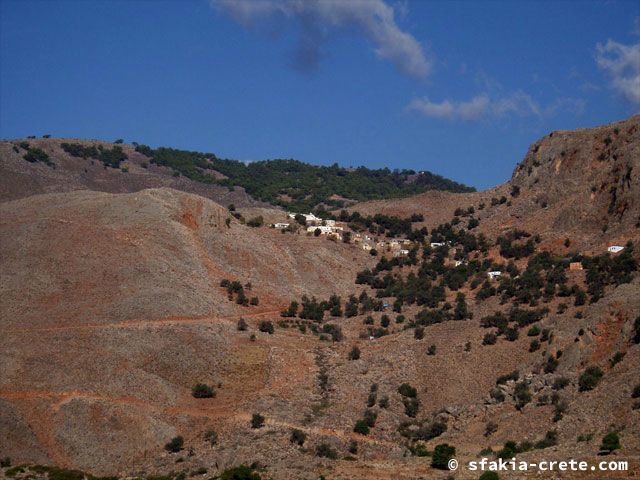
{"x": 117, "y": 305}
{"x": 54, "y": 165}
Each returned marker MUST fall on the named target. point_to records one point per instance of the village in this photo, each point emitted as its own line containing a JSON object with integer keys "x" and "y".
{"x": 338, "y": 231}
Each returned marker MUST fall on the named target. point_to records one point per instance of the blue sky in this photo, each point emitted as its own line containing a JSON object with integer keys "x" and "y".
{"x": 458, "y": 88}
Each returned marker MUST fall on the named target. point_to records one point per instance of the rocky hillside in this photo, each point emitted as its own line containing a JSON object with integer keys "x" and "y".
{"x": 151, "y": 333}
{"x": 62, "y": 172}
{"x": 583, "y": 185}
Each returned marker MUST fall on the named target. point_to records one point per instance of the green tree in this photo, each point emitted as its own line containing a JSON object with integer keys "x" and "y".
{"x": 441, "y": 456}
{"x": 610, "y": 442}
{"x": 590, "y": 378}
{"x": 361, "y": 427}
{"x": 175, "y": 444}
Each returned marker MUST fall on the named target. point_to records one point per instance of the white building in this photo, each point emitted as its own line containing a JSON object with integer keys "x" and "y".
{"x": 615, "y": 248}
{"x": 280, "y": 225}
{"x": 437, "y": 244}
{"x": 309, "y": 217}
{"x": 494, "y": 274}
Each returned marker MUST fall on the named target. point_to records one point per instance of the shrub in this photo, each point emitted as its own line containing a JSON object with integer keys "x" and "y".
{"x": 488, "y": 475}
{"x": 511, "y": 334}
{"x": 407, "y": 390}
{"x": 441, "y": 456}
{"x": 636, "y": 392}
{"x": 242, "y": 325}
{"x": 534, "y": 331}
{"x": 354, "y": 354}
{"x": 5, "y": 462}
{"x": 418, "y": 333}
{"x": 175, "y": 444}
{"x": 550, "y": 439}
{"x": 431, "y": 350}
{"x": 411, "y": 406}
{"x": 383, "y": 402}
{"x": 241, "y": 472}
{"x": 590, "y": 378}
{"x": 489, "y": 339}
{"x": 361, "y": 427}
{"x": 636, "y": 330}
{"x": 534, "y": 345}
{"x": 211, "y": 436}
{"x": 617, "y": 358}
{"x": 298, "y": 437}
{"x": 610, "y": 442}
{"x": 522, "y": 395}
{"x": 266, "y": 326}
{"x": 560, "y": 382}
{"x": 257, "y": 421}
{"x": 501, "y": 380}
{"x": 202, "y": 390}
{"x": 326, "y": 451}
{"x": 256, "y": 221}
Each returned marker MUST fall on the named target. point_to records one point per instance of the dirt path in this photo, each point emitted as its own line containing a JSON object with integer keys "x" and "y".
{"x": 172, "y": 320}
{"x": 59, "y": 399}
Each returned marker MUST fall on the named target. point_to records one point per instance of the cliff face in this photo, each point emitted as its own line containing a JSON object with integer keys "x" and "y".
{"x": 588, "y": 179}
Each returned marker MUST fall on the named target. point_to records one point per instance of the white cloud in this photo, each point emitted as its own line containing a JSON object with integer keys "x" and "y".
{"x": 621, "y": 63}
{"x": 483, "y": 106}
{"x": 316, "y": 18}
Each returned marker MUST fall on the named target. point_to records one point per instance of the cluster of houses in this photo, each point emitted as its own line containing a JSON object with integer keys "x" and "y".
{"x": 335, "y": 230}
{"x": 398, "y": 248}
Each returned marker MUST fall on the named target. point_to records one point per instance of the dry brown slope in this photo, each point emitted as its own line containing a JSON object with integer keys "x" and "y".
{"x": 19, "y": 178}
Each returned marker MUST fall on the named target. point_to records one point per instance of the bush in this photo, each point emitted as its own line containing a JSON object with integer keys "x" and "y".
{"x": 175, "y": 445}
{"x": 522, "y": 395}
{"x": 534, "y": 346}
{"x": 418, "y": 333}
{"x": 326, "y": 451}
{"x": 266, "y": 326}
{"x": 489, "y": 339}
{"x": 5, "y": 462}
{"x": 256, "y": 221}
{"x": 242, "y": 325}
{"x": 202, "y": 390}
{"x": 590, "y": 378}
{"x": 610, "y": 442}
{"x": 431, "y": 350}
{"x": 407, "y": 390}
{"x": 411, "y": 406}
{"x": 241, "y": 472}
{"x": 636, "y": 392}
{"x": 361, "y": 427}
{"x": 488, "y": 475}
{"x": 534, "y": 331}
{"x": 257, "y": 421}
{"x": 298, "y": 437}
{"x": 441, "y": 456}
{"x": 560, "y": 382}
{"x": 354, "y": 354}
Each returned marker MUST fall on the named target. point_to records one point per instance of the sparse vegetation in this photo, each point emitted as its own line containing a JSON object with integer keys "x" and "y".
{"x": 175, "y": 444}
{"x": 202, "y": 390}
{"x": 590, "y": 378}
{"x": 257, "y": 421}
